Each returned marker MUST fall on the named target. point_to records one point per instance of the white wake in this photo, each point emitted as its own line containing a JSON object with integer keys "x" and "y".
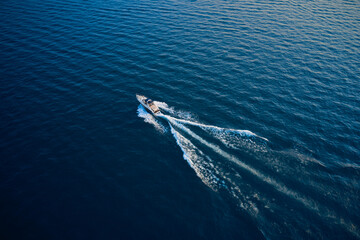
{"x": 149, "y": 118}
{"x": 229, "y": 174}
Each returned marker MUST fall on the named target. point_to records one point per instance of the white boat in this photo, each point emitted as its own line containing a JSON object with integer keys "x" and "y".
{"x": 148, "y": 104}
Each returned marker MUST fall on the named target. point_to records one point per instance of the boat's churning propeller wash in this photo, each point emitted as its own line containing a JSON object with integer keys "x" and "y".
{"x": 216, "y": 156}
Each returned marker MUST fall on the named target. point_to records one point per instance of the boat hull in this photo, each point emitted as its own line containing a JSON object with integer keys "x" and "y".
{"x": 142, "y": 100}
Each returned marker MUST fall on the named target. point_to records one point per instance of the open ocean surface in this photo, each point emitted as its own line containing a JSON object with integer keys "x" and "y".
{"x": 260, "y": 133}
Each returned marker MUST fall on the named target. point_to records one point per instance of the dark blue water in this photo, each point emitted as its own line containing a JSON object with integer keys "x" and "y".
{"x": 80, "y": 159}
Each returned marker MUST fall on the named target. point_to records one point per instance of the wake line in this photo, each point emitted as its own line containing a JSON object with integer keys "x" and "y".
{"x": 243, "y": 133}
{"x": 233, "y": 159}
{"x": 150, "y": 119}
{"x": 280, "y": 187}
{"x": 195, "y": 158}
{"x": 203, "y": 171}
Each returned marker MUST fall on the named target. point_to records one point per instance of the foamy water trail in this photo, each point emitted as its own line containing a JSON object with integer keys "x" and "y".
{"x": 170, "y": 110}
{"x": 232, "y": 138}
{"x": 218, "y": 130}
{"x": 197, "y": 160}
{"x": 209, "y": 172}
{"x": 280, "y": 187}
{"x": 216, "y": 176}
{"x": 149, "y": 118}
{"x": 310, "y": 204}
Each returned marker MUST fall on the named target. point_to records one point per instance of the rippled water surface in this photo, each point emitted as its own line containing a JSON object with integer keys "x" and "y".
{"x": 258, "y": 136}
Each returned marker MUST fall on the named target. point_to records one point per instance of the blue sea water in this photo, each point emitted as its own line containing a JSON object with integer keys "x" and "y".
{"x": 259, "y": 137}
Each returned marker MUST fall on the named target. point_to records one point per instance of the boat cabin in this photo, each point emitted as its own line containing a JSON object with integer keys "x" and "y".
{"x": 151, "y": 105}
